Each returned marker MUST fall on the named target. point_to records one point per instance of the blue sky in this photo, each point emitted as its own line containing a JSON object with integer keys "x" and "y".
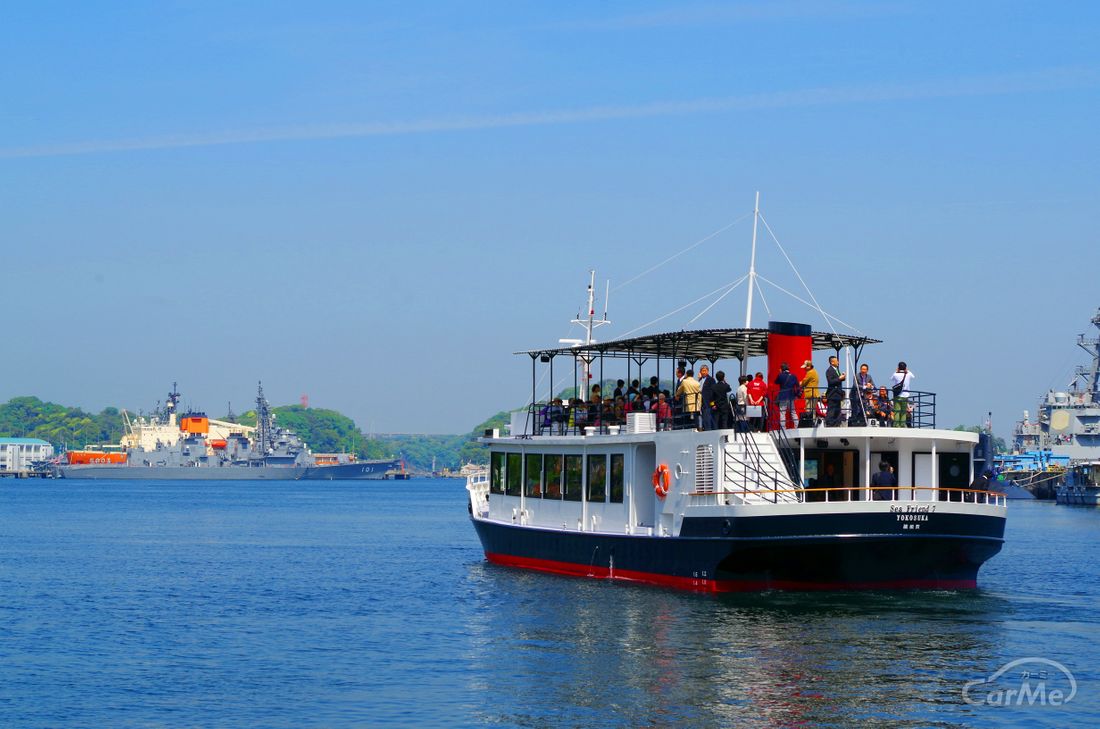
{"x": 375, "y": 204}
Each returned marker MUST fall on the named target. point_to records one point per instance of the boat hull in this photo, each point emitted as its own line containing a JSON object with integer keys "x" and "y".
{"x": 842, "y": 551}
{"x": 183, "y": 473}
{"x": 1078, "y": 496}
{"x": 360, "y": 470}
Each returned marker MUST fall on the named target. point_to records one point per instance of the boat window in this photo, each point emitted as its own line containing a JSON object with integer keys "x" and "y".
{"x": 617, "y": 478}
{"x": 533, "y": 481}
{"x": 573, "y": 478}
{"x": 954, "y": 474}
{"x": 553, "y": 476}
{"x": 597, "y": 478}
{"x": 496, "y": 473}
{"x": 513, "y": 474}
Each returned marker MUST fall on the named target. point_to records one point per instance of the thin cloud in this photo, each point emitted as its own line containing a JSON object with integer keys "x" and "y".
{"x": 1017, "y": 83}
{"x": 711, "y": 15}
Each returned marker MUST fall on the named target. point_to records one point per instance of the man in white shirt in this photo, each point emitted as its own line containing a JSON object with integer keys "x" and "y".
{"x": 899, "y": 382}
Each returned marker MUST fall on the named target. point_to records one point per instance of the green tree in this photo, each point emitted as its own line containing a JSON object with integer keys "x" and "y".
{"x": 325, "y": 431}
{"x": 29, "y": 417}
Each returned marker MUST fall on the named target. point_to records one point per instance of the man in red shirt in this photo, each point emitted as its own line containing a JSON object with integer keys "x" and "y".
{"x": 757, "y": 391}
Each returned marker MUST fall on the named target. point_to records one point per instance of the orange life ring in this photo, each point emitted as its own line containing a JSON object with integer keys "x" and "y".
{"x": 661, "y": 481}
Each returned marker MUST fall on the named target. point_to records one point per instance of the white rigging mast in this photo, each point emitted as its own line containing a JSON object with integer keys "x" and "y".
{"x": 752, "y": 261}
{"x": 590, "y": 323}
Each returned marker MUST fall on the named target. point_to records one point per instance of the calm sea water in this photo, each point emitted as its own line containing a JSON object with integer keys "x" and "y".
{"x": 130, "y": 604}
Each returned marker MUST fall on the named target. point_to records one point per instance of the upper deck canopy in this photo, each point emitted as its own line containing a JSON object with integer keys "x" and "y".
{"x": 710, "y": 344}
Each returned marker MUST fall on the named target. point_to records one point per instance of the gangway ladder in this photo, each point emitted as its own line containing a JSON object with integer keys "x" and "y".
{"x": 757, "y": 475}
{"x": 787, "y": 453}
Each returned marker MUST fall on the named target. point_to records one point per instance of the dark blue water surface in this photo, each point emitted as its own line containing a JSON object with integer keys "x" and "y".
{"x": 331, "y": 604}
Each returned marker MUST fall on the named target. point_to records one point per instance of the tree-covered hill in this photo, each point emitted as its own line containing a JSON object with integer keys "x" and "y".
{"x": 29, "y": 417}
{"x": 326, "y": 431}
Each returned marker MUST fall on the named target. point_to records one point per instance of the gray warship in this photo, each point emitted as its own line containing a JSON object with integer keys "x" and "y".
{"x": 1057, "y": 453}
{"x": 192, "y": 446}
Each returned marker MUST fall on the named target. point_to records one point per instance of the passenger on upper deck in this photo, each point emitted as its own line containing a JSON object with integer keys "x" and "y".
{"x": 723, "y": 409}
{"x": 835, "y": 392}
{"x": 663, "y": 412}
{"x": 757, "y": 392}
{"x": 620, "y": 410}
{"x": 553, "y": 416}
{"x": 706, "y": 391}
{"x": 741, "y": 403}
{"x": 879, "y": 407}
{"x": 578, "y": 412}
{"x": 864, "y": 381}
{"x": 809, "y": 384}
{"x": 788, "y": 385}
{"x": 689, "y": 391}
{"x": 649, "y": 394}
{"x": 859, "y": 397}
{"x": 899, "y": 382}
{"x": 595, "y": 408}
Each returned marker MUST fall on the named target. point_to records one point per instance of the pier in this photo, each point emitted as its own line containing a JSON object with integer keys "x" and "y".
{"x": 32, "y": 473}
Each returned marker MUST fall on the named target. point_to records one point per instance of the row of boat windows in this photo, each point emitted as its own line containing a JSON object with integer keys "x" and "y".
{"x": 558, "y": 476}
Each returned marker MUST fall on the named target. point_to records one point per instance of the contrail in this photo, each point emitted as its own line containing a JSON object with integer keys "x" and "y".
{"x": 1013, "y": 83}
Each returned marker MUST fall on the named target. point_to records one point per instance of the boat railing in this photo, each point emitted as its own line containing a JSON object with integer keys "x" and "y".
{"x": 866, "y": 409}
{"x": 883, "y": 494}
{"x": 588, "y": 418}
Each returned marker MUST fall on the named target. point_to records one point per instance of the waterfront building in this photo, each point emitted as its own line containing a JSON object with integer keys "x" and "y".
{"x": 22, "y": 454}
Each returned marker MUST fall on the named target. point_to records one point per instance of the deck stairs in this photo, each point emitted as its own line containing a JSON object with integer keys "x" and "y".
{"x": 754, "y": 470}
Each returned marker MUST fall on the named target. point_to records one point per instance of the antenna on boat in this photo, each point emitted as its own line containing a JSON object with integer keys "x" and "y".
{"x": 590, "y": 323}
{"x": 171, "y": 404}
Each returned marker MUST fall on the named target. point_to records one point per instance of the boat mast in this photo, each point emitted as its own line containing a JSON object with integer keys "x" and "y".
{"x": 263, "y": 420}
{"x": 171, "y": 403}
{"x": 752, "y": 280}
{"x": 590, "y": 325}
{"x": 1091, "y": 374}
{"x": 752, "y": 261}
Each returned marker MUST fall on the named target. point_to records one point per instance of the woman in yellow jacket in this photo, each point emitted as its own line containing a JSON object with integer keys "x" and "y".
{"x": 690, "y": 390}
{"x": 809, "y": 385}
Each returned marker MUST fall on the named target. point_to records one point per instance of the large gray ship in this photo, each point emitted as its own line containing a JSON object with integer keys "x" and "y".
{"x": 192, "y": 446}
{"x": 1057, "y": 452}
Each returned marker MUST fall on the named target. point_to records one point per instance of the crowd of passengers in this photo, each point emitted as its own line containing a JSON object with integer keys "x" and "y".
{"x": 711, "y": 402}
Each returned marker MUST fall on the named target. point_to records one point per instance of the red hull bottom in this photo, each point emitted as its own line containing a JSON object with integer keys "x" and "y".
{"x": 696, "y": 584}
